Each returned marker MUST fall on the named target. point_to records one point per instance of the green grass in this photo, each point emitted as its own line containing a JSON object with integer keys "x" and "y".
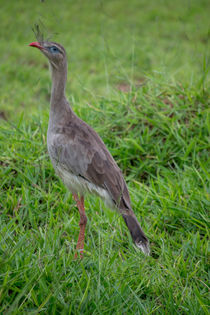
{"x": 138, "y": 74}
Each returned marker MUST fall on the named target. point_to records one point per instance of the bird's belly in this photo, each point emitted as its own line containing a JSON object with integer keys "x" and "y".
{"x": 77, "y": 184}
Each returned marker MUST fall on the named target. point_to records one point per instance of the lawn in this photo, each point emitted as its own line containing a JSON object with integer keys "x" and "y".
{"x": 138, "y": 74}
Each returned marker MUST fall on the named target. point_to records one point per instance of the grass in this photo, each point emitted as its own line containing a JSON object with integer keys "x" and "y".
{"x": 139, "y": 76}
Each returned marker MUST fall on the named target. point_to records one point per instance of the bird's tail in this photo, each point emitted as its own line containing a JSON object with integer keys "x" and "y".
{"x": 136, "y": 232}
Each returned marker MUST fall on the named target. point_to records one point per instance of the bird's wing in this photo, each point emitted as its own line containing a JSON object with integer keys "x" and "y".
{"x": 82, "y": 152}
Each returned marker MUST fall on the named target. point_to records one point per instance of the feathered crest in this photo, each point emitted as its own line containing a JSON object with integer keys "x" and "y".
{"x": 40, "y": 30}
{"x": 38, "y": 33}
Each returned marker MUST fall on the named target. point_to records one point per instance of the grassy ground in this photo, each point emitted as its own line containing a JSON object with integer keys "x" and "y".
{"x": 139, "y": 76}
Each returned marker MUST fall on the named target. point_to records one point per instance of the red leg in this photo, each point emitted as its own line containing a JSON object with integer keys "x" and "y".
{"x": 82, "y": 224}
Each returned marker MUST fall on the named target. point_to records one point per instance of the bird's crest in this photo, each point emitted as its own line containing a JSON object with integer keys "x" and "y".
{"x": 38, "y": 33}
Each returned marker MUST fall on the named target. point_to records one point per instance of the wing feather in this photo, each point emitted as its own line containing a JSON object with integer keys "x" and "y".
{"x": 81, "y": 151}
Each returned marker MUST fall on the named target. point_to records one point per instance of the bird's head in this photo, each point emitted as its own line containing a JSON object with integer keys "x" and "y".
{"x": 53, "y": 51}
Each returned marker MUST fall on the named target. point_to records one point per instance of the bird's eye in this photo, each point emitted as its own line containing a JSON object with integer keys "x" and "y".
{"x": 53, "y": 49}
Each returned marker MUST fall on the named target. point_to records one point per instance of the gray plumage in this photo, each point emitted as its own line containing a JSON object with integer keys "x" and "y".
{"x": 78, "y": 154}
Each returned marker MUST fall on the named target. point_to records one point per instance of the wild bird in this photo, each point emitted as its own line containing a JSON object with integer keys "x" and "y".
{"x": 80, "y": 157}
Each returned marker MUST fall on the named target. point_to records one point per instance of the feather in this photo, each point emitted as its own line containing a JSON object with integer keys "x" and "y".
{"x": 38, "y": 33}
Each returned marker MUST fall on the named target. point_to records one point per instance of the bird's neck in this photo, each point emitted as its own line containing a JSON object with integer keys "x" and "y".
{"x": 58, "y": 100}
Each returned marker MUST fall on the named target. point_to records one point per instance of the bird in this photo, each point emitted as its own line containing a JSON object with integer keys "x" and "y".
{"x": 80, "y": 157}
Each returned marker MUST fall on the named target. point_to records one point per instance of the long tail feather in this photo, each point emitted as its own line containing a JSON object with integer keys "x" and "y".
{"x": 138, "y": 236}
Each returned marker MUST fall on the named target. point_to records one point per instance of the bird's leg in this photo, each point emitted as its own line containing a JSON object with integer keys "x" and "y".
{"x": 82, "y": 224}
